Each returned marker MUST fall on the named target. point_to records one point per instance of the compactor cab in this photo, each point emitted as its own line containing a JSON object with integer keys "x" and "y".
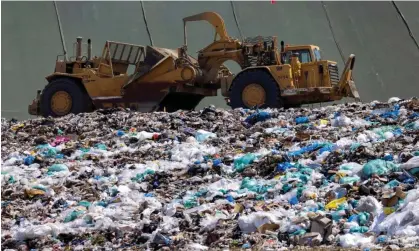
{"x": 78, "y": 61}
{"x": 306, "y": 54}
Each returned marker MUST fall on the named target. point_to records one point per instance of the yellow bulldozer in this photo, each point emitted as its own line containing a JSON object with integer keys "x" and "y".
{"x": 169, "y": 80}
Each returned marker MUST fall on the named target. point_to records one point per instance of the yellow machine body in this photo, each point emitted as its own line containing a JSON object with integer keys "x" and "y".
{"x": 149, "y": 78}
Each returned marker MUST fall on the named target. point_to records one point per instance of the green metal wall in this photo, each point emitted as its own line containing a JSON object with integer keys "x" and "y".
{"x": 387, "y": 62}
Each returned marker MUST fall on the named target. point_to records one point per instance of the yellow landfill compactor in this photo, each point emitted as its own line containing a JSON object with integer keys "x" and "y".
{"x": 165, "y": 79}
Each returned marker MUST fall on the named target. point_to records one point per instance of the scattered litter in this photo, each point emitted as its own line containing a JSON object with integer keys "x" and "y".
{"x": 335, "y": 176}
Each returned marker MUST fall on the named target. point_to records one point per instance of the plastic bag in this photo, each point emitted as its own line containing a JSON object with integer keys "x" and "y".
{"x": 349, "y": 180}
{"x": 169, "y": 224}
{"x": 241, "y": 163}
{"x": 29, "y": 160}
{"x": 301, "y": 120}
{"x": 379, "y": 167}
{"x": 351, "y": 168}
{"x": 202, "y": 135}
{"x": 369, "y": 204}
{"x": 73, "y": 215}
{"x": 406, "y": 220}
{"x": 335, "y": 203}
{"x": 306, "y": 149}
{"x": 410, "y": 164}
{"x": 354, "y": 240}
{"x": 251, "y": 223}
{"x": 341, "y": 121}
{"x": 197, "y": 247}
{"x": 259, "y": 116}
{"x": 282, "y": 167}
{"x": 253, "y": 185}
{"x": 57, "y": 168}
{"x": 36, "y": 231}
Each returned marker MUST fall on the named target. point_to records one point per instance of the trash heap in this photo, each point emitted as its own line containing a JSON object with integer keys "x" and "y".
{"x": 336, "y": 176}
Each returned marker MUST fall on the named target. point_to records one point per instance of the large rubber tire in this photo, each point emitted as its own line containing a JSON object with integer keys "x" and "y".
{"x": 80, "y": 100}
{"x": 260, "y": 77}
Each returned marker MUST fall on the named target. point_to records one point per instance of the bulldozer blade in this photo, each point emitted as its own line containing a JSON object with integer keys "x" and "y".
{"x": 346, "y": 86}
{"x": 353, "y": 90}
{"x": 142, "y": 97}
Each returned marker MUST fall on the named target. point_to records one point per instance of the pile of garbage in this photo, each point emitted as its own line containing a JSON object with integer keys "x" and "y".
{"x": 336, "y": 176}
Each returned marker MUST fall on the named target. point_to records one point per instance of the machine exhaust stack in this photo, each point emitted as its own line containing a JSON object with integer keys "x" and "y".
{"x": 89, "y": 49}
{"x": 78, "y": 48}
{"x": 282, "y": 52}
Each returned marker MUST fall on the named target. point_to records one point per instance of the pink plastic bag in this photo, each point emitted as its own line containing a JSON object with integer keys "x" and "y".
{"x": 59, "y": 140}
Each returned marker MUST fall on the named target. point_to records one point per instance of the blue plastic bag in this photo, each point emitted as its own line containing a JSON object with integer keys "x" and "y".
{"x": 393, "y": 114}
{"x": 282, "y": 167}
{"x": 388, "y": 157}
{"x": 293, "y": 201}
{"x": 216, "y": 162}
{"x": 257, "y": 117}
{"x": 306, "y": 149}
{"x": 230, "y": 198}
{"x": 29, "y": 160}
{"x": 301, "y": 120}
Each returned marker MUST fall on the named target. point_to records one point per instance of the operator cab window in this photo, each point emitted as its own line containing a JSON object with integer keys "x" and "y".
{"x": 317, "y": 54}
{"x": 304, "y": 56}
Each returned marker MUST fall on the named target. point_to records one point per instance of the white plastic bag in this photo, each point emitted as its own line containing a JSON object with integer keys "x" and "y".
{"x": 405, "y": 221}
{"x": 355, "y": 240}
{"x": 369, "y": 204}
{"x": 410, "y": 164}
{"x": 341, "y": 121}
{"x": 197, "y": 247}
{"x": 251, "y": 223}
{"x": 351, "y": 168}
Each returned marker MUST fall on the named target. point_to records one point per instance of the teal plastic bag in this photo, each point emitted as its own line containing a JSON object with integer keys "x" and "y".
{"x": 358, "y": 229}
{"x": 379, "y": 167}
{"x": 72, "y": 216}
{"x": 392, "y": 184}
{"x": 349, "y": 180}
{"x": 85, "y": 204}
{"x": 101, "y": 146}
{"x": 12, "y": 180}
{"x": 241, "y": 163}
{"x": 141, "y": 176}
{"x": 190, "y": 202}
{"x": 363, "y": 218}
{"x": 40, "y": 187}
{"x": 57, "y": 168}
{"x": 252, "y": 185}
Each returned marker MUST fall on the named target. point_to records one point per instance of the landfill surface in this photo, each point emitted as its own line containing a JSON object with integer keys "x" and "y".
{"x": 341, "y": 176}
